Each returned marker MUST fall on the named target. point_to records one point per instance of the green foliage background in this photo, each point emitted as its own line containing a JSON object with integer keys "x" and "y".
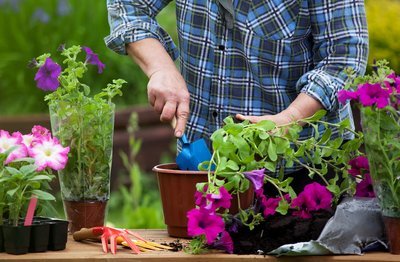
{"x": 24, "y": 36}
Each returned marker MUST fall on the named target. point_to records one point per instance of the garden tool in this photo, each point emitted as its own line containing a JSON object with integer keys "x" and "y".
{"x": 117, "y": 236}
{"x": 192, "y": 154}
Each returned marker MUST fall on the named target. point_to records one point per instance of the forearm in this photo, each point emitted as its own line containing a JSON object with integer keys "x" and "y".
{"x": 302, "y": 107}
{"x": 150, "y": 55}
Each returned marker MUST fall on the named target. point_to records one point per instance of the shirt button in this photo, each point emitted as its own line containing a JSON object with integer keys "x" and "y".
{"x": 215, "y": 114}
{"x": 221, "y": 47}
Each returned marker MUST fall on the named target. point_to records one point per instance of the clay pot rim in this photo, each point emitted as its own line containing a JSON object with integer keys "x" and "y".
{"x": 172, "y": 168}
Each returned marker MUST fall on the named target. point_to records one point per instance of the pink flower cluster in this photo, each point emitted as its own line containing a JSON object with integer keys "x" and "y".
{"x": 205, "y": 220}
{"x": 39, "y": 145}
{"x": 360, "y": 170}
{"x": 370, "y": 94}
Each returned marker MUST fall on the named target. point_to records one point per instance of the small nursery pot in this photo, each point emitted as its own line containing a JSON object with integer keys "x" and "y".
{"x": 16, "y": 239}
{"x": 39, "y": 236}
{"x": 58, "y": 234}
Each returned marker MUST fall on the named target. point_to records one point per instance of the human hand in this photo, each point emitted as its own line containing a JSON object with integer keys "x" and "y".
{"x": 280, "y": 119}
{"x": 168, "y": 95}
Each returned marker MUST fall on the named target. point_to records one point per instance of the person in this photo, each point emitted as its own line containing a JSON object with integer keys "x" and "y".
{"x": 255, "y": 60}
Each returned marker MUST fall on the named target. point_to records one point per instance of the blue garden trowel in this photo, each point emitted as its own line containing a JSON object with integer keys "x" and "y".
{"x": 192, "y": 154}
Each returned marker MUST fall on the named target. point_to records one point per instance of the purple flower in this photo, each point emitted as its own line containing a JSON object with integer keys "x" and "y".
{"x": 345, "y": 95}
{"x": 93, "y": 58}
{"x": 256, "y": 177}
{"x": 223, "y": 199}
{"x": 47, "y": 76}
{"x": 370, "y": 94}
{"x": 63, "y": 8}
{"x": 41, "y": 16}
{"x": 270, "y": 205}
{"x": 364, "y": 187}
{"x": 224, "y": 243}
{"x": 202, "y": 222}
{"x": 314, "y": 197}
{"x": 357, "y": 165}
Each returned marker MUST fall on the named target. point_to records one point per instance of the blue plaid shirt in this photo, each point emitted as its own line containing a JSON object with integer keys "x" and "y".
{"x": 275, "y": 50}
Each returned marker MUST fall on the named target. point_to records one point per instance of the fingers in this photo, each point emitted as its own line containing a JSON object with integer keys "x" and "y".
{"x": 252, "y": 119}
{"x": 168, "y": 111}
{"x": 182, "y": 115}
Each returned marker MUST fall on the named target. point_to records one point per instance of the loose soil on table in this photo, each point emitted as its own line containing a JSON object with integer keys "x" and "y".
{"x": 278, "y": 230}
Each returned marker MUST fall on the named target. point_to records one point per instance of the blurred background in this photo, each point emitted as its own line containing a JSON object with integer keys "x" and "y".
{"x": 29, "y": 28}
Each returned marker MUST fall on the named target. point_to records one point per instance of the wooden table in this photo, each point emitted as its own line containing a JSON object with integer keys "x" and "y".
{"x": 91, "y": 252}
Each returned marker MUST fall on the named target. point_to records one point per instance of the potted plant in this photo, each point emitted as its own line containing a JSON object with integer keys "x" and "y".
{"x": 26, "y": 164}
{"x": 86, "y": 125}
{"x": 246, "y": 153}
{"x": 378, "y": 97}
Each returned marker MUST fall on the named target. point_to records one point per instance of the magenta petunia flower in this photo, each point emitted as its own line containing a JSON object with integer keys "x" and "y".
{"x": 93, "y": 58}
{"x": 301, "y": 205}
{"x": 256, "y": 177}
{"x": 373, "y": 94}
{"x": 48, "y": 152}
{"x": 358, "y": 164}
{"x": 345, "y": 95}
{"x": 47, "y": 76}
{"x": 314, "y": 197}
{"x": 270, "y": 205}
{"x": 202, "y": 222}
{"x": 364, "y": 187}
{"x": 223, "y": 199}
{"x": 8, "y": 141}
{"x": 224, "y": 243}
{"x": 200, "y": 199}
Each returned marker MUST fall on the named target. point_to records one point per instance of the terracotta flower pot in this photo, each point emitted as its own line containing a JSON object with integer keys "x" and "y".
{"x": 85, "y": 214}
{"x": 177, "y": 189}
{"x": 392, "y": 226}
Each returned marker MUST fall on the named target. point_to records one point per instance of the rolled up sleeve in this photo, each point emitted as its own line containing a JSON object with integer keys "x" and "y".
{"x": 340, "y": 40}
{"x": 134, "y": 20}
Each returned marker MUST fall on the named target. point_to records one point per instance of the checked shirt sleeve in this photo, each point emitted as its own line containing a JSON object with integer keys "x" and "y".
{"x": 340, "y": 39}
{"x": 134, "y": 20}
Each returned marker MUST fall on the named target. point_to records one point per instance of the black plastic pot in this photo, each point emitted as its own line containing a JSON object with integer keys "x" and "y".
{"x": 16, "y": 239}
{"x": 1, "y": 239}
{"x": 58, "y": 234}
{"x": 39, "y": 236}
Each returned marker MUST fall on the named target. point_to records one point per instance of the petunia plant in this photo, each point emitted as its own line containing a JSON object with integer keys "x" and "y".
{"x": 26, "y": 166}
{"x": 80, "y": 120}
{"x": 254, "y": 155}
{"x": 378, "y": 97}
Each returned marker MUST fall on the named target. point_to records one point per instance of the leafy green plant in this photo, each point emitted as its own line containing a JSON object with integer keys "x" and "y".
{"x": 245, "y": 153}
{"x": 141, "y": 205}
{"x": 83, "y": 122}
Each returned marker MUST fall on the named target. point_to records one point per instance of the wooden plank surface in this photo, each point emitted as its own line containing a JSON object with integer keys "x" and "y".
{"x": 91, "y": 252}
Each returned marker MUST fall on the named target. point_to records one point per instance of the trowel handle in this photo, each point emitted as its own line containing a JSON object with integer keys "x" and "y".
{"x": 183, "y": 139}
{"x": 86, "y": 233}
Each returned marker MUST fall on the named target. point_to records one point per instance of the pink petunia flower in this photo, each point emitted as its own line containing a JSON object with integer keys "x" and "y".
{"x": 358, "y": 165}
{"x": 40, "y": 131}
{"x": 256, "y": 177}
{"x": 8, "y": 141}
{"x": 364, "y": 187}
{"x": 48, "y": 152}
{"x": 345, "y": 95}
{"x": 270, "y": 204}
{"x": 27, "y": 140}
{"x": 223, "y": 199}
{"x": 224, "y": 243}
{"x": 202, "y": 222}
{"x": 373, "y": 94}
{"x": 314, "y": 197}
